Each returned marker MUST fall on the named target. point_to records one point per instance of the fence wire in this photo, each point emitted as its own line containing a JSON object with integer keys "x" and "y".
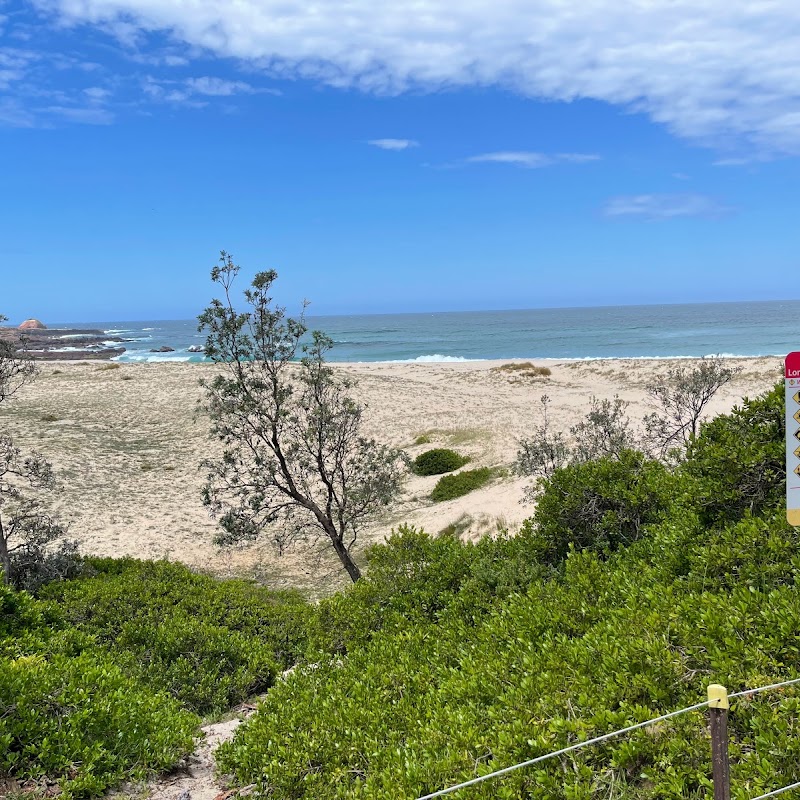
{"x": 561, "y": 752}
{"x": 778, "y": 791}
{"x": 564, "y": 750}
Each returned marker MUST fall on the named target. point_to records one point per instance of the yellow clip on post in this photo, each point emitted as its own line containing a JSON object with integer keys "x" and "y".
{"x": 718, "y": 696}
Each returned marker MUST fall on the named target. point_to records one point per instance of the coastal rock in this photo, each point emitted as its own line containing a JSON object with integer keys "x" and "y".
{"x": 63, "y": 344}
{"x": 196, "y": 348}
{"x": 33, "y": 325}
{"x": 163, "y": 349}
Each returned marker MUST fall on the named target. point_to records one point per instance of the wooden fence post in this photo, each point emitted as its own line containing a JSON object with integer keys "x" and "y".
{"x": 718, "y": 706}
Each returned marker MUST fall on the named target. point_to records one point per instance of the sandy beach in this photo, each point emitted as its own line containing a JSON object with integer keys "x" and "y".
{"x": 127, "y": 441}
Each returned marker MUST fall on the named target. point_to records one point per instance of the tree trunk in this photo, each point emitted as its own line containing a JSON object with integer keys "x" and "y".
{"x": 352, "y": 568}
{"x": 5, "y": 559}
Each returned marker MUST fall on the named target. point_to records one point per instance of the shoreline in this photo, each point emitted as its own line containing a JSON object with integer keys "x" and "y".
{"x": 126, "y": 441}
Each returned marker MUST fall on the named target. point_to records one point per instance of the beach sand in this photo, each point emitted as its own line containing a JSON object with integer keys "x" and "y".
{"x": 127, "y": 441}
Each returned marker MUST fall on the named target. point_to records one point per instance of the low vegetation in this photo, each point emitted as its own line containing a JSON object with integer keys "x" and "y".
{"x": 450, "y": 660}
{"x": 449, "y": 487}
{"x": 438, "y": 461}
{"x": 636, "y": 583}
{"x": 103, "y": 677}
{"x": 523, "y": 369}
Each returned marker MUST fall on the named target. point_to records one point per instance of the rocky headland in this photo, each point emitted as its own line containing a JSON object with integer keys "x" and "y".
{"x": 62, "y": 344}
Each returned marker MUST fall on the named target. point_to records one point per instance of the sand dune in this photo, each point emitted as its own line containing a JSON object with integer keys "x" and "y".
{"x": 127, "y": 442}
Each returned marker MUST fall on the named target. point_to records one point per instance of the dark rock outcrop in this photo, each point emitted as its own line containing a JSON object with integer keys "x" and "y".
{"x": 63, "y": 344}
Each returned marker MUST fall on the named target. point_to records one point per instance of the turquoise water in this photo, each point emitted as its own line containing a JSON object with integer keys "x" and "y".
{"x": 734, "y": 329}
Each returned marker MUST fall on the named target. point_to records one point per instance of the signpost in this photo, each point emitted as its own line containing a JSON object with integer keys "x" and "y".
{"x": 793, "y": 438}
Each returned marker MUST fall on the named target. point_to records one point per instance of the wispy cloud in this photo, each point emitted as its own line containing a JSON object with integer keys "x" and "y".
{"x": 219, "y": 87}
{"x": 636, "y": 56}
{"x": 665, "y": 206}
{"x": 530, "y": 159}
{"x": 393, "y": 144}
{"x": 192, "y": 92}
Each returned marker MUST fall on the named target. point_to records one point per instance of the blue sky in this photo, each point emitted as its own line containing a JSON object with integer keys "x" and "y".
{"x": 413, "y": 157}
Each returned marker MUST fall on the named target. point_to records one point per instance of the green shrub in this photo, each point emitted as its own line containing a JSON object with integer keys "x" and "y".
{"x": 438, "y": 461}
{"x": 69, "y": 713}
{"x": 451, "y": 486}
{"x": 209, "y": 643}
{"x": 462, "y": 659}
{"x": 738, "y": 460}
{"x": 599, "y": 505}
{"x": 422, "y": 706}
{"x": 410, "y": 576}
{"x": 81, "y": 720}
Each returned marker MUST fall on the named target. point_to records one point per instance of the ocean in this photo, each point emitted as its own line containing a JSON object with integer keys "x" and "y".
{"x": 653, "y": 331}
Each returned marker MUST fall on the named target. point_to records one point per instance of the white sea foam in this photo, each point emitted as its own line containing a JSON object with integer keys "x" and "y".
{"x": 119, "y": 330}
{"x": 151, "y": 358}
{"x": 436, "y": 358}
{"x": 67, "y": 349}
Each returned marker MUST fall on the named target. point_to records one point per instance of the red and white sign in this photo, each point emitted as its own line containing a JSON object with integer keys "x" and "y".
{"x": 793, "y": 438}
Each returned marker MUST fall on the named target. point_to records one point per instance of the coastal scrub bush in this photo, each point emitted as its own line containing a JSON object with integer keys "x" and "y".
{"x": 410, "y": 576}
{"x": 438, "y": 461}
{"x": 545, "y": 450}
{"x": 208, "y": 643}
{"x": 599, "y": 505}
{"x": 504, "y": 664}
{"x": 604, "y": 432}
{"x": 525, "y": 369}
{"x": 738, "y": 460}
{"x": 68, "y": 713}
{"x": 449, "y": 487}
{"x": 421, "y": 706}
{"x": 681, "y": 396}
{"x": 80, "y": 719}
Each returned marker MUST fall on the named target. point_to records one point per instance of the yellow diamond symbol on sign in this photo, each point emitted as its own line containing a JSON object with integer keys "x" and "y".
{"x": 797, "y": 416}
{"x": 797, "y": 470}
{"x": 797, "y": 434}
{"x": 797, "y": 453}
{"x": 796, "y": 398}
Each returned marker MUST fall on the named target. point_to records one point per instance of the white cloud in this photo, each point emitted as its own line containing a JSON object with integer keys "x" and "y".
{"x": 577, "y": 158}
{"x": 14, "y": 65}
{"x": 393, "y": 144}
{"x": 531, "y": 160}
{"x": 724, "y": 72}
{"x": 665, "y": 206}
{"x": 186, "y": 92}
{"x": 217, "y": 87}
{"x": 517, "y": 158}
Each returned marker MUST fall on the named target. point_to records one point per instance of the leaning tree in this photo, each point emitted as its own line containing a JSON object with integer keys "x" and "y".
{"x": 295, "y": 463}
{"x": 26, "y": 528}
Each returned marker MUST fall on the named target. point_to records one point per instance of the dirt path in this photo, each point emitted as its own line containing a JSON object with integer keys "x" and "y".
{"x": 196, "y": 779}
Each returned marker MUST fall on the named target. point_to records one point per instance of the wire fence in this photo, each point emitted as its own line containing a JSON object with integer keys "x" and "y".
{"x": 613, "y": 734}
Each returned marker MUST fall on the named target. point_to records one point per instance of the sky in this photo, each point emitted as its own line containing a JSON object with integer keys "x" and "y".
{"x": 412, "y": 156}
